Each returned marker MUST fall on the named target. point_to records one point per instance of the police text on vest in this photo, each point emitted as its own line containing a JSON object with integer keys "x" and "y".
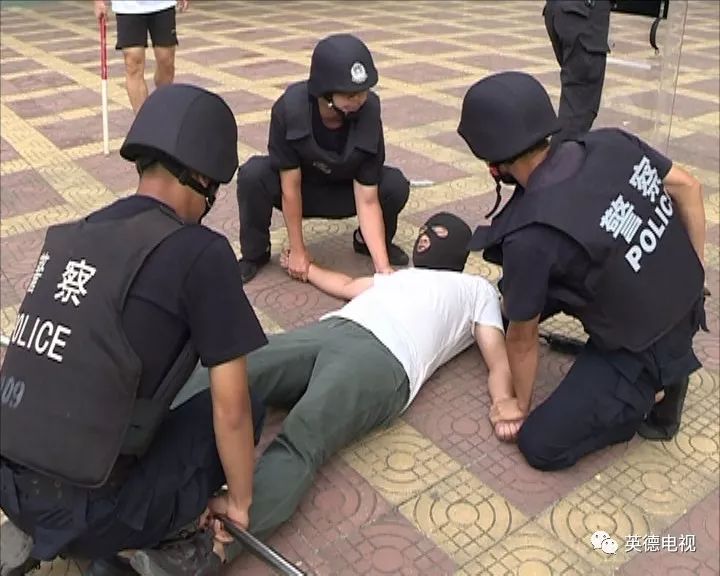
{"x": 41, "y": 336}
{"x": 650, "y": 235}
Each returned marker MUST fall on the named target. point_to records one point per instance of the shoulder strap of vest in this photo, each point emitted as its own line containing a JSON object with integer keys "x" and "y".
{"x": 297, "y": 111}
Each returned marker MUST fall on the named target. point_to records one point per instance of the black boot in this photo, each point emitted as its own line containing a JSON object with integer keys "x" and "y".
{"x": 191, "y": 556}
{"x": 115, "y": 566}
{"x": 250, "y": 268}
{"x": 396, "y": 255}
{"x": 663, "y": 421}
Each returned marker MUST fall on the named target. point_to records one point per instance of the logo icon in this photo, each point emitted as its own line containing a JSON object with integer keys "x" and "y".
{"x": 357, "y": 73}
{"x": 601, "y": 541}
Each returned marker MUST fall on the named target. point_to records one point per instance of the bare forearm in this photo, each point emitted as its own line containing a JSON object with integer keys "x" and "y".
{"x": 693, "y": 218}
{"x": 523, "y": 358}
{"x": 292, "y": 214}
{"x": 500, "y": 385}
{"x": 328, "y": 281}
{"x": 236, "y": 448}
{"x": 373, "y": 229}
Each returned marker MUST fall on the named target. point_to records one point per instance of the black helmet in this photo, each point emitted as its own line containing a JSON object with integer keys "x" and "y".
{"x": 504, "y": 115}
{"x": 341, "y": 63}
{"x": 189, "y": 126}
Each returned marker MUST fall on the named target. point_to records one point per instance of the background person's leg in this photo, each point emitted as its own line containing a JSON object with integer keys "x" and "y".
{"x": 132, "y": 40}
{"x": 164, "y": 65}
{"x": 594, "y": 406}
{"x": 161, "y": 26}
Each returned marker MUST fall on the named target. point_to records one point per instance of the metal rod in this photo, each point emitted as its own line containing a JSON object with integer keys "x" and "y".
{"x": 262, "y": 551}
{"x": 421, "y": 183}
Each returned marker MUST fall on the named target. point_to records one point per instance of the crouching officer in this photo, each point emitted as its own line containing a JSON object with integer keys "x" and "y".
{"x": 605, "y": 229}
{"x": 121, "y": 305}
{"x": 578, "y": 31}
{"x": 326, "y": 159}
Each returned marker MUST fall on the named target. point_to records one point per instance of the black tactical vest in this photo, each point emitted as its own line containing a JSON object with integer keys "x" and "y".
{"x": 70, "y": 376}
{"x": 645, "y": 275}
{"x": 318, "y": 164}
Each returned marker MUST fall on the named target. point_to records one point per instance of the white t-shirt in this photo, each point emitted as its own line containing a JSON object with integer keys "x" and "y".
{"x": 424, "y": 317}
{"x": 141, "y": 6}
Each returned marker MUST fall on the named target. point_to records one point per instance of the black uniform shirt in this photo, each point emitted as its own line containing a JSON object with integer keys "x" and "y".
{"x": 188, "y": 288}
{"x": 284, "y": 156}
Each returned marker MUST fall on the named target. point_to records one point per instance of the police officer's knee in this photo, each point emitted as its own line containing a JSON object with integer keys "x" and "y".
{"x": 251, "y": 174}
{"x": 394, "y": 188}
{"x": 534, "y": 447}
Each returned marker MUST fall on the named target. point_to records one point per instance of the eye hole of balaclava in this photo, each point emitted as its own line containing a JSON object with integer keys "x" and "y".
{"x": 442, "y": 243}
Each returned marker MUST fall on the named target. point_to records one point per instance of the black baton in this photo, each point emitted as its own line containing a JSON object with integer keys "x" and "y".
{"x": 262, "y": 551}
{"x": 563, "y": 344}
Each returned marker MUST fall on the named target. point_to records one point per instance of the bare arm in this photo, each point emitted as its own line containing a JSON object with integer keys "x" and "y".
{"x": 232, "y": 421}
{"x": 372, "y": 225}
{"x": 686, "y": 192}
{"x": 522, "y": 346}
{"x": 491, "y": 342}
{"x": 338, "y": 284}
{"x": 292, "y": 207}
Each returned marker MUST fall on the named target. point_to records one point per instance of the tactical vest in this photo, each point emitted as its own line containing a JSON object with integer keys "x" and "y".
{"x": 318, "y": 164}
{"x": 645, "y": 275}
{"x": 70, "y": 376}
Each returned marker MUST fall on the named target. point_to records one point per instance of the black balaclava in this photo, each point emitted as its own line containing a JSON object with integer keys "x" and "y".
{"x": 449, "y": 253}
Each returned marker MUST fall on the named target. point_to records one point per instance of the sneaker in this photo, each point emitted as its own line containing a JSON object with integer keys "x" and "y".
{"x": 250, "y": 268}
{"x": 663, "y": 422}
{"x": 192, "y": 556}
{"x": 15, "y": 548}
{"x": 396, "y": 255}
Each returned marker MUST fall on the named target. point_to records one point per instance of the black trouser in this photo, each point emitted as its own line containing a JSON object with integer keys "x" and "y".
{"x": 258, "y": 191}
{"x": 168, "y": 488}
{"x": 578, "y": 34}
{"x": 605, "y": 396}
{"x": 594, "y": 406}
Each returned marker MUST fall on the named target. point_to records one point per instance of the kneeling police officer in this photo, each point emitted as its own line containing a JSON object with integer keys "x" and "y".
{"x": 121, "y": 306}
{"x": 603, "y": 228}
{"x": 326, "y": 160}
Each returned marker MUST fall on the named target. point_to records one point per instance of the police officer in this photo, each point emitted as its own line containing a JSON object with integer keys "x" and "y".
{"x": 578, "y": 30}
{"x": 121, "y": 305}
{"x": 605, "y": 229}
{"x": 326, "y": 159}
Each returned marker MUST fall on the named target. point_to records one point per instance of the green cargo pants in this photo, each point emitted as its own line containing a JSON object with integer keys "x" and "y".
{"x": 338, "y": 382}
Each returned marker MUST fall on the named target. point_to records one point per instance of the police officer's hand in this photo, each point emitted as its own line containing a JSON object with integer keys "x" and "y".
{"x": 386, "y": 270}
{"x": 506, "y": 410}
{"x": 183, "y": 5}
{"x": 100, "y": 9}
{"x": 299, "y": 264}
{"x": 224, "y": 505}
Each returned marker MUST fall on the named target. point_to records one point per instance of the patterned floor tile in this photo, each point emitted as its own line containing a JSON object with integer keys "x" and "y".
{"x": 390, "y": 545}
{"x": 529, "y": 551}
{"x": 594, "y": 507}
{"x": 462, "y": 516}
{"x": 399, "y": 462}
{"x": 680, "y": 554}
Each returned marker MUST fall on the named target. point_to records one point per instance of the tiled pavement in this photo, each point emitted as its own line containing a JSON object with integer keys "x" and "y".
{"x": 436, "y": 493}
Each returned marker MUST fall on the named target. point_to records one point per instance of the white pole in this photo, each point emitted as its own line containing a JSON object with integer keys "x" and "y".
{"x": 106, "y": 138}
